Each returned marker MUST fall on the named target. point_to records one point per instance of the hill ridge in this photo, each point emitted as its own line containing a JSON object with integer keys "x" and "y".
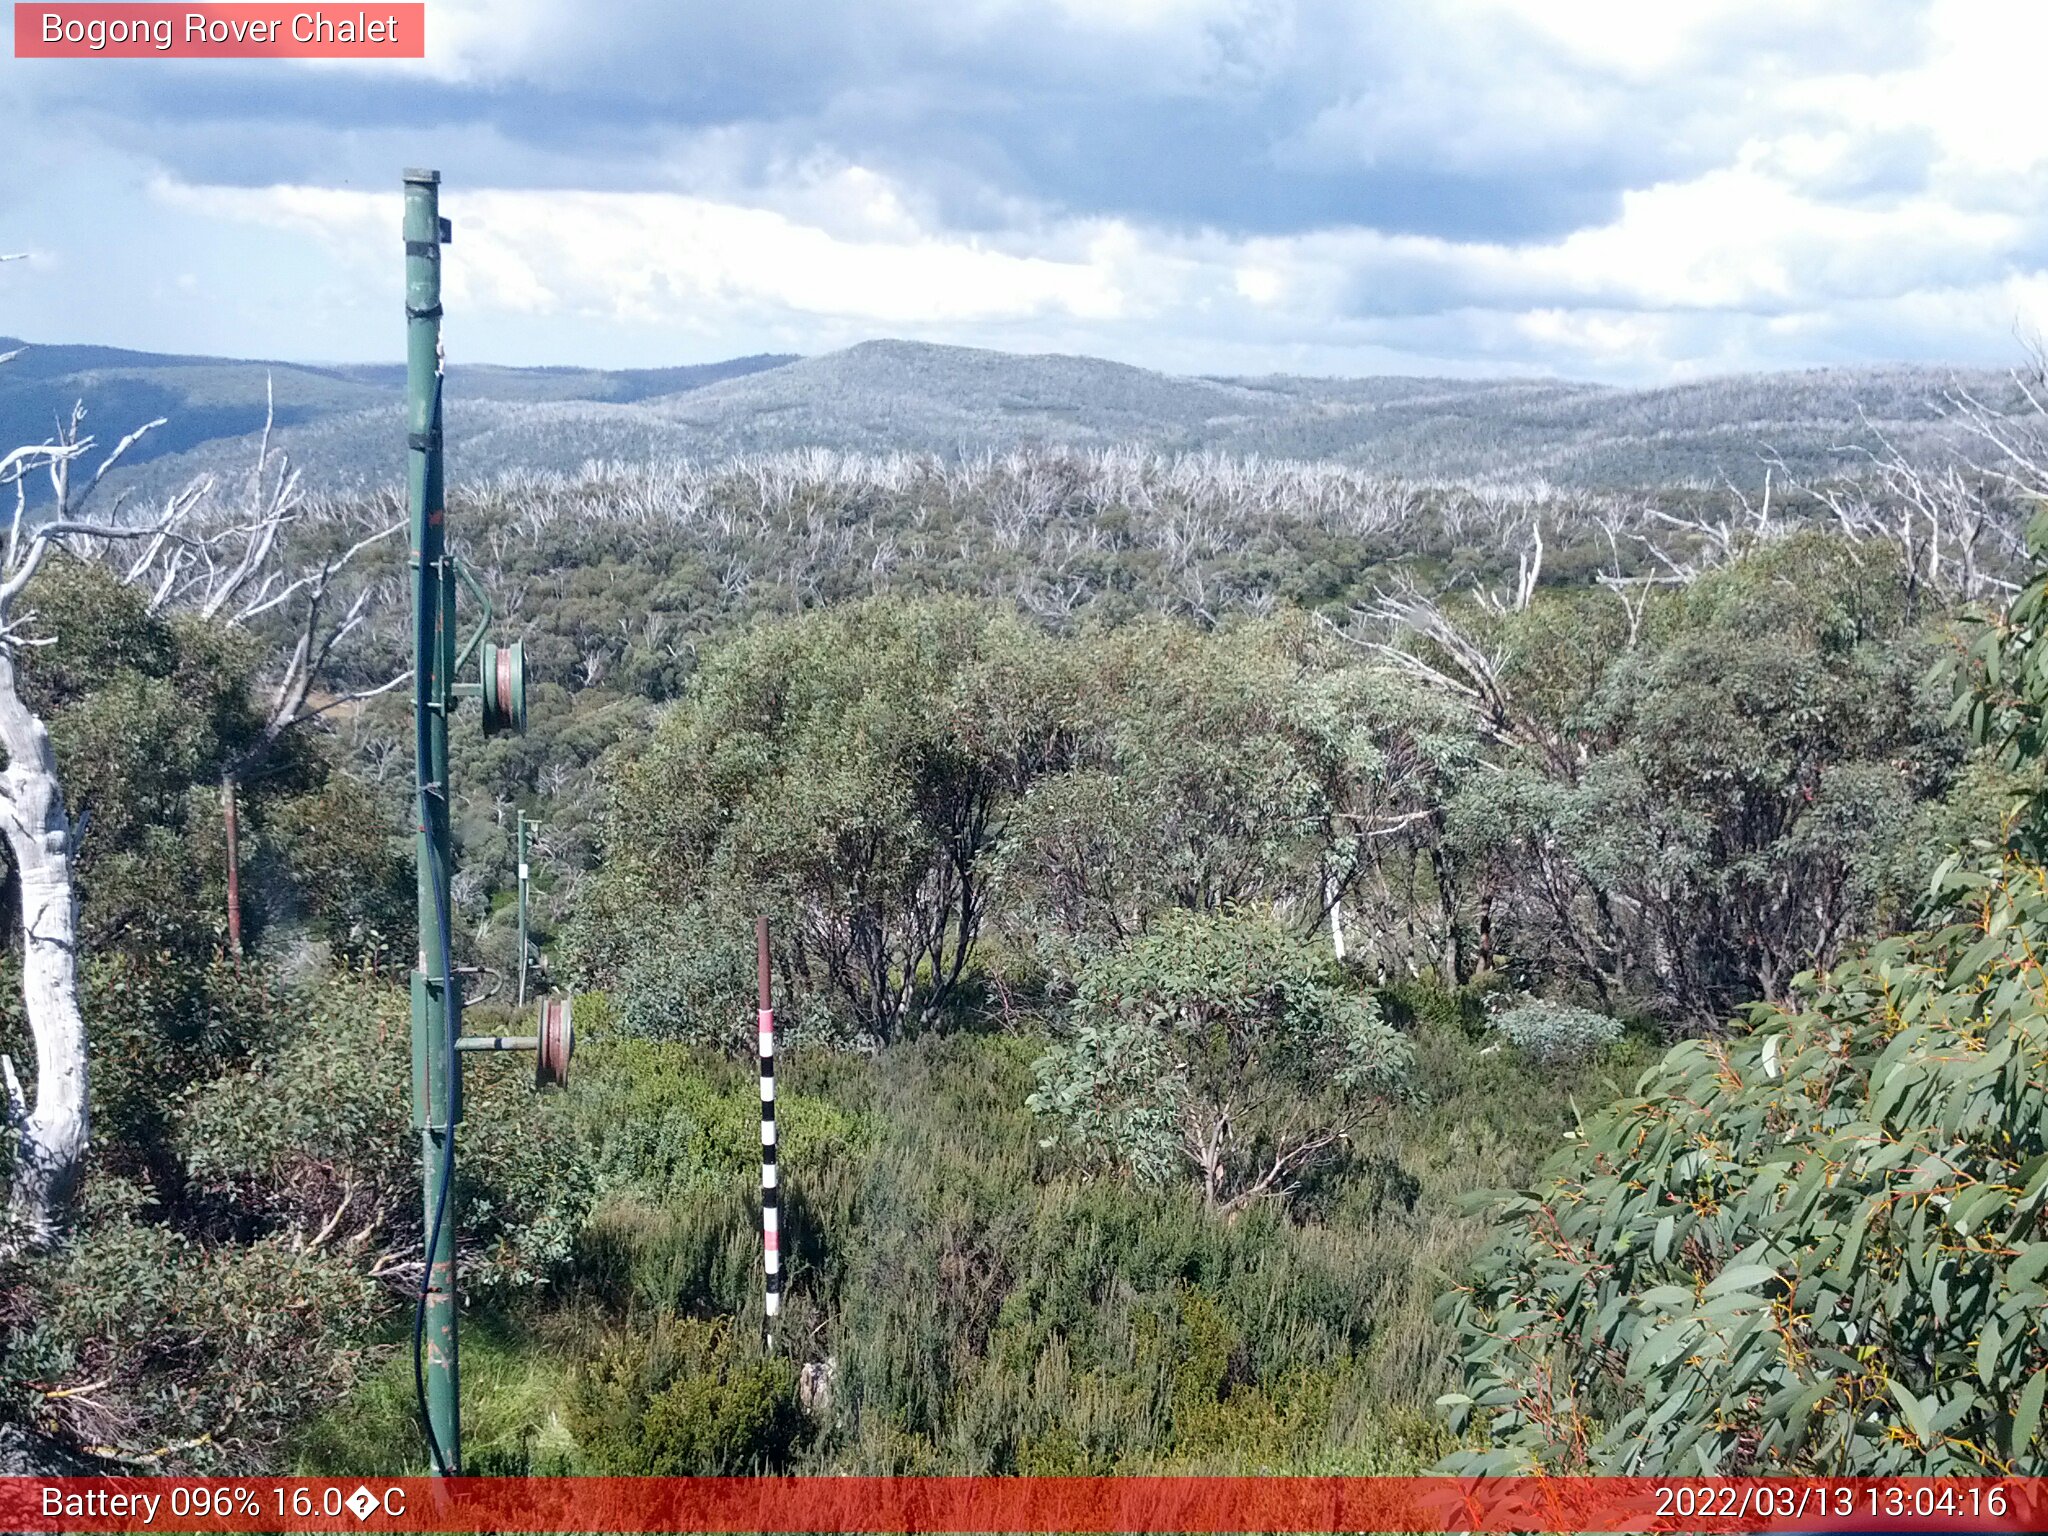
{"x": 341, "y": 421}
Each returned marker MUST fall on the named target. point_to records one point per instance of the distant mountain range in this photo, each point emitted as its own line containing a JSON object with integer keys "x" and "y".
{"x": 343, "y": 424}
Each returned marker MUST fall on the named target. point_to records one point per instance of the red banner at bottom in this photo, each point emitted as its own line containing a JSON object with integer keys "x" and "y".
{"x": 1006, "y": 1504}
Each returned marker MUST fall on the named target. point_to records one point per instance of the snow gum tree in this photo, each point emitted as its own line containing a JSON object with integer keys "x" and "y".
{"x": 51, "y": 1132}
{"x": 222, "y": 563}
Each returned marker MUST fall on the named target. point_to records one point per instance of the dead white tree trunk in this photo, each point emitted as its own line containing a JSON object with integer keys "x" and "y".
{"x": 53, "y": 1129}
{"x": 1333, "y": 896}
{"x": 226, "y": 574}
{"x": 50, "y": 1136}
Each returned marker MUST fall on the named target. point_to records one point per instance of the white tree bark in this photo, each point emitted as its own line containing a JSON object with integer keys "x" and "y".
{"x": 52, "y": 1132}
{"x": 51, "y": 1135}
{"x": 189, "y": 567}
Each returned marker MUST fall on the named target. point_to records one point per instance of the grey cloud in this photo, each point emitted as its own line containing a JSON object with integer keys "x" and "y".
{"x": 1267, "y": 118}
{"x": 982, "y": 114}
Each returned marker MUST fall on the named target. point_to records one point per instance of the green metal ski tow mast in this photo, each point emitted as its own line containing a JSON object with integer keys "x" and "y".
{"x": 500, "y": 688}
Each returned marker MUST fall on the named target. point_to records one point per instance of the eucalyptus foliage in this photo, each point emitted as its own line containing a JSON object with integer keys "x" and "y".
{"x": 1815, "y": 1246}
{"x": 1818, "y": 1245}
{"x": 842, "y": 772}
{"x": 1258, "y": 765}
{"x": 1220, "y": 1046}
{"x": 1692, "y": 809}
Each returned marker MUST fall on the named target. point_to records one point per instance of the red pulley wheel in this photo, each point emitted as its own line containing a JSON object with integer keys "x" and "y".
{"x": 557, "y": 1042}
{"x": 501, "y": 680}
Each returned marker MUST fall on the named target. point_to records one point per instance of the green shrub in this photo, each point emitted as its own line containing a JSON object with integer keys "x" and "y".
{"x": 206, "y": 1352}
{"x": 667, "y": 1121}
{"x": 691, "y": 981}
{"x": 349, "y": 862}
{"x": 315, "y": 1136}
{"x": 1217, "y": 1046}
{"x": 675, "y": 1148}
{"x": 160, "y": 1023}
{"x": 1555, "y": 1033}
{"x": 685, "y": 1399}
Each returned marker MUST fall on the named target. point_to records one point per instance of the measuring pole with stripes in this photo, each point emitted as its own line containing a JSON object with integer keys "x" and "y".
{"x": 771, "y": 1199}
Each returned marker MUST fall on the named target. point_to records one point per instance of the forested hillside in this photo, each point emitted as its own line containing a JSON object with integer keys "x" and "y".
{"x": 341, "y": 423}
{"x": 1193, "y": 879}
{"x": 208, "y": 406}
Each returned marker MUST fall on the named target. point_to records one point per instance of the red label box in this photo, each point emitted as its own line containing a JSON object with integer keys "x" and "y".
{"x": 355, "y": 29}
{"x": 992, "y": 1505}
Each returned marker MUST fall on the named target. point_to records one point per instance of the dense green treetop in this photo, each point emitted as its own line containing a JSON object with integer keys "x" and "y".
{"x": 1218, "y": 1044}
{"x": 1815, "y": 1245}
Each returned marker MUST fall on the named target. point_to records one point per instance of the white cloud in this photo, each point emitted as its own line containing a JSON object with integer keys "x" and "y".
{"x": 1137, "y": 15}
{"x": 1741, "y": 238}
{"x": 1261, "y": 285}
{"x": 1978, "y": 91}
{"x": 1755, "y": 181}
{"x": 1752, "y": 243}
{"x": 664, "y": 257}
{"x": 1644, "y": 41}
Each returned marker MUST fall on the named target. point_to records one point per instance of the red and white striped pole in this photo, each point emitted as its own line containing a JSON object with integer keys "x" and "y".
{"x": 771, "y": 1200}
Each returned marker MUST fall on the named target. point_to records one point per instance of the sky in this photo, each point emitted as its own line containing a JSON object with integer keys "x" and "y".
{"x": 1635, "y": 191}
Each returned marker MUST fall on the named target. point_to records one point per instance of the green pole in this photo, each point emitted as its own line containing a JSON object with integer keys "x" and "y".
{"x": 436, "y": 998}
{"x": 522, "y": 909}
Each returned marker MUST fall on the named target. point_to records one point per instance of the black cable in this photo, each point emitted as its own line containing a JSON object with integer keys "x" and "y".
{"x": 447, "y": 1179}
{"x": 425, "y": 644}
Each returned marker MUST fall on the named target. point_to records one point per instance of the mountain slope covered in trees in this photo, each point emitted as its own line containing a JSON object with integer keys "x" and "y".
{"x": 205, "y": 400}
{"x": 342, "y": 424}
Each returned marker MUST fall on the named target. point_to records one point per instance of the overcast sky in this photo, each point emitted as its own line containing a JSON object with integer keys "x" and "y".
{"x": 1633, "y": 190}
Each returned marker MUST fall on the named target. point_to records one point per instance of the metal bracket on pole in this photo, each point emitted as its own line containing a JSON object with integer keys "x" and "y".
{"x": 483, "y": 623}
{"x": 552, "y": 1047}
{"x": 430, "y": 1084}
